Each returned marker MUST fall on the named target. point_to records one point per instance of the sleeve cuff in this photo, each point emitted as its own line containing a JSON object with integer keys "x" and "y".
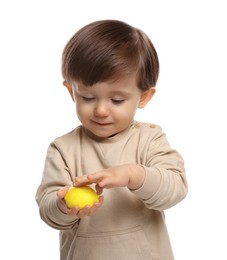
{"x": 151, "y": 183}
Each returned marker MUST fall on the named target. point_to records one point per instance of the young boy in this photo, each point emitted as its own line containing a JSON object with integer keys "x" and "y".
{"x": 110, "y": 69}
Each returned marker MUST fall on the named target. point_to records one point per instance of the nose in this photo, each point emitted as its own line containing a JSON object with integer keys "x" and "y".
{"x": 101, "y": 109}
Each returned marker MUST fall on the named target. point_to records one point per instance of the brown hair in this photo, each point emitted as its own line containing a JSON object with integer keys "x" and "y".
{"x": 107, "y": 50}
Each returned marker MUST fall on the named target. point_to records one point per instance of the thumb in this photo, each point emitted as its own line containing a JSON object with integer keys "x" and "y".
{"x": 99, "y": 190}
{"x": 62, "y": 192}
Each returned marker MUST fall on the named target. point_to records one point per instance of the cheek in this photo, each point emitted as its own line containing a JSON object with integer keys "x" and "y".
{"x": 84, "y": 112}
{"x": 127, "y": 112}
{"x": 80, "y": 110}
{"x": 132, "y": 107}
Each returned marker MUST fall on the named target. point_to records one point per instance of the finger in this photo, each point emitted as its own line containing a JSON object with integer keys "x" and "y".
{"x": 81, "y": 180}
{"x": 84, "y": 212}
{"x": 62, "y": 192}
{"x": 101, "y": 200}
{"x": 107, "y": 183}
{"x": 103, "y": 179}
{"x": 99, "y": 190}
{"x": 92, "y": 210}
{"x": 73, "y": 211}
{"x": 95, "y": 177}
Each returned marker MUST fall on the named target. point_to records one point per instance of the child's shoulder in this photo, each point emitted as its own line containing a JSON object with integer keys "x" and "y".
{"x": 69, "y": 136}
{"x": 146, "y": 127}
{"x": 146, "y": 131}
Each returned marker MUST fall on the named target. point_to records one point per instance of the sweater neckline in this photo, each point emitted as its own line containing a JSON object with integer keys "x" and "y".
{"x": 111, "y": 139}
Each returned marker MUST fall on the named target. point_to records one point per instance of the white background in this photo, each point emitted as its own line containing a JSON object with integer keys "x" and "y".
{"x": 190, "y": 105}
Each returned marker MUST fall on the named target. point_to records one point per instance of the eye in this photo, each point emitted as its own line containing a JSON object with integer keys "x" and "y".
{"x": 117, "y": 101}
{"x": 87, "y": 99}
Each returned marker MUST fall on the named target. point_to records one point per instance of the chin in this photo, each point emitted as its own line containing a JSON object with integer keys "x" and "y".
{"x": 103, "y": 134}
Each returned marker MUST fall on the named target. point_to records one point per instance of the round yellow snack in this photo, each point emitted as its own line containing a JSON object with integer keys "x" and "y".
{"x": 80, "y": 197}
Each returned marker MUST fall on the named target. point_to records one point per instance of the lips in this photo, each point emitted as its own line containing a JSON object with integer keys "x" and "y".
{"x": 101, "y": 123}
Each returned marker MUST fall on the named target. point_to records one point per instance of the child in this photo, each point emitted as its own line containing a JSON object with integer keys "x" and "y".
{"x": 110, "y": 69}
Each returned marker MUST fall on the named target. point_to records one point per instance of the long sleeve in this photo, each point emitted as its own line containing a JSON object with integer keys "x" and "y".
{"x": 55, "y": 176}
{"x": 165, "y": 183}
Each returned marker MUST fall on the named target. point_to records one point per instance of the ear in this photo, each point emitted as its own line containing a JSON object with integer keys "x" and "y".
{"x": 68, "y": 86}
{"x": 145, "y": 97}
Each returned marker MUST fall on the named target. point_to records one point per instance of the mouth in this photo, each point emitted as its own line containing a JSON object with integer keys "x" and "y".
{"x": 101, "y": 123}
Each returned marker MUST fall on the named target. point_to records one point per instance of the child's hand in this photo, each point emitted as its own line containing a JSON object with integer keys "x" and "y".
{"x": 75, "y": 211}
{"x": 131, "y": 176}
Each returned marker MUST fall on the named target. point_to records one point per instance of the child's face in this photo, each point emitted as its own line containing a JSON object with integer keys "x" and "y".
{"x": 107, "y": 108}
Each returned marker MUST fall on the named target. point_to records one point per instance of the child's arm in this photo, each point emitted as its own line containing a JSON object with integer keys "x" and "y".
{"x": 49, "y": 196}
{"x": 127, "y": 175}
{"x": 159, "y": 180}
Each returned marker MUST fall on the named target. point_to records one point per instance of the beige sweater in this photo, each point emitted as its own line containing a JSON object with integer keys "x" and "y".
{"x": 130, "y": 224}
